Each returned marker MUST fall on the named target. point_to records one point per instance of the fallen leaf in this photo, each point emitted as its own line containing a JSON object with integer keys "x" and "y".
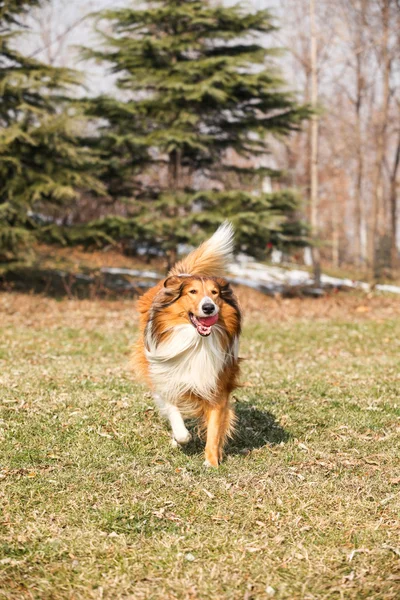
{"x": 363, "y": 309}
{"x": 395, "y": 551}
{"x": 209, "y": 494}
{"x": 270, "y": 590}
{"x": 357, "y": 551}
{"x": 189, "y": 556}
{"x": 303, "y": 447}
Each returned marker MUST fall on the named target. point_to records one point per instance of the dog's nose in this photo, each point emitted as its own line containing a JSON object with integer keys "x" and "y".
{"x": 208, "y": 308}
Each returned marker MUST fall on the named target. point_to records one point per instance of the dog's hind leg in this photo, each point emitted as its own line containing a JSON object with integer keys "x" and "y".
{"x": 181, "y": 435}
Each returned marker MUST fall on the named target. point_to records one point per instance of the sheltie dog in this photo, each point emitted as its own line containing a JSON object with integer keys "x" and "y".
{"x": 189, "y": 342}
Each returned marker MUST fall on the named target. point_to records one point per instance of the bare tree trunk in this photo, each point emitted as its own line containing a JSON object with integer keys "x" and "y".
{"x": 358, "y": 191}
{"x": 336, "y": 215}
{"x": 380, "y": 144}
{"x": 174, "y": 170}
{"x": 394, "y": 254}
{"x": 174, "y": 184}
{"x": 335, "y": 236}
{"x": 358, "y": 209}
{"x": 314, "y": 148}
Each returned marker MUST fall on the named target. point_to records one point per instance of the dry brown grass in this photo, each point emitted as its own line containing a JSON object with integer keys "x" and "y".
{"x": 346, "y": 306}
{"x": 39, "y": 310}
{"x": 97, "y": 505}
{"x": 75, "y": 258}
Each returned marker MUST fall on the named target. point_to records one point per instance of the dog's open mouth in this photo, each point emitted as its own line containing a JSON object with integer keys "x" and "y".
{"x": 203, "y": 324}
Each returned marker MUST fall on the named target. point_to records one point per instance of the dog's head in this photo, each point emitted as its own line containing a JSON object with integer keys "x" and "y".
{"x": 204, "y": 302}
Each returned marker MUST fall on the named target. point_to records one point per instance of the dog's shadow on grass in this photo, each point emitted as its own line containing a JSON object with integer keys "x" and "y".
{"x": 254, "y": 429}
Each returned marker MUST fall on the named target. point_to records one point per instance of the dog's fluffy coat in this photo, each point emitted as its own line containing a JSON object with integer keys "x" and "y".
{"x": 188, "y": 347}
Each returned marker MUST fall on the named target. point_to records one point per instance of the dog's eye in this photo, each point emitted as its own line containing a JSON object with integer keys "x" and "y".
{"x": 192, "y": 291}
{"x": 214, "y": 292}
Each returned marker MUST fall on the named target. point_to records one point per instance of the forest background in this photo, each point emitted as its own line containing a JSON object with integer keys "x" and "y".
{"x": 321, "y": 169}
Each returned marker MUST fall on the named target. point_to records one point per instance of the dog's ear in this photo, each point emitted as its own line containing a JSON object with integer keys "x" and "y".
{"x": 172, "y": 288}
{"x": 224, "y": 287}
{"x": 172, "y": 282}
{"x": 226, "y": 292}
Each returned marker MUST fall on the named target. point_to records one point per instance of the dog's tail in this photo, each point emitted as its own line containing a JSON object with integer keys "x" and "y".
{"x": 211, "y": 257}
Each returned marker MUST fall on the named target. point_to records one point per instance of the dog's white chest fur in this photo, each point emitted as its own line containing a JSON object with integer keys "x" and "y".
{"x": 186, "y": 362}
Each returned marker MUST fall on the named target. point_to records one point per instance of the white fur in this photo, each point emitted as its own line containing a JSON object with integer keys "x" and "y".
{"x": 211, "y": 258}
{"x": 235, "y": 348}
{"x": 221, "y": 243}
{"x": 181, "y": 435}
{"x": 207, "y": 300}
{"x": 148, "y": 336}
{"x": 186, "y": 362}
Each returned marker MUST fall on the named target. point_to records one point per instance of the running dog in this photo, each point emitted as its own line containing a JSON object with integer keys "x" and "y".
{"x": 189, "y": 340}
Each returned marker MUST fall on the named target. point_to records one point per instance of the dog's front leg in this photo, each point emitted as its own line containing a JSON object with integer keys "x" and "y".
{"x": 180, "y": 434}
{"x": 219, "y": 421}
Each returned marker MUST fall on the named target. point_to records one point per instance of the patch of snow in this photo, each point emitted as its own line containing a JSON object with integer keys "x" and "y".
{"x": 268, "y": 279}
{"x": 257, "y": 275}
{"x": 131, "y": 272}
{"x": 307, "y": 257}
{"x": 394, "y": 289}
{"x": 276, "y": 256}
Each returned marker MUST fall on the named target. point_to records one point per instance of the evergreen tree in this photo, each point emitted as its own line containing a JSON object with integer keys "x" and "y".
{"x": 42, "y": 160}
{"x": 196, "y": 86}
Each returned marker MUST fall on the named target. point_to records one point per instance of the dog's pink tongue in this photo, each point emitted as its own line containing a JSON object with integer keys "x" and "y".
{"x": 208, "y": 321}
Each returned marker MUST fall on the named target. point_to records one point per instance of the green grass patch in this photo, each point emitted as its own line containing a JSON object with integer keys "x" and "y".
{"x": 97, "y": 504}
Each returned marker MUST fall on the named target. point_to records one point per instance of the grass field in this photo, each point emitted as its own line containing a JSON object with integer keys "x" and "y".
{"x": 97, "y": 504}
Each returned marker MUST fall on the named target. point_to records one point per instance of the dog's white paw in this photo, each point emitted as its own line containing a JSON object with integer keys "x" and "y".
{"x": 182, "y": 439}
{"x": 208, "y": 465}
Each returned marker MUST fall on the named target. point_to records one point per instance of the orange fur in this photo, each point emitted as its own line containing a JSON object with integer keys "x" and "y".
{"x": 169, "y": 305}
